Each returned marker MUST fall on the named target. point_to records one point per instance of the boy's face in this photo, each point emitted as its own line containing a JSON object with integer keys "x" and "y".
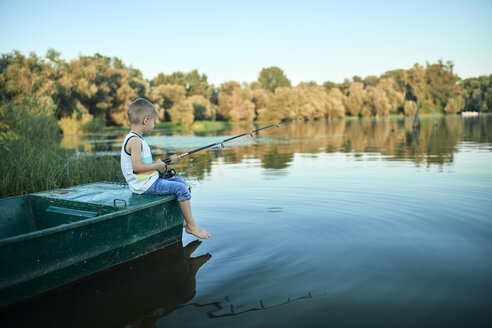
{"x": 149, "y": 124}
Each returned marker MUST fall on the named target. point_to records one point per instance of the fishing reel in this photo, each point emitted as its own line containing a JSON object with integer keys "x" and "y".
{"x": 168, "y": 174}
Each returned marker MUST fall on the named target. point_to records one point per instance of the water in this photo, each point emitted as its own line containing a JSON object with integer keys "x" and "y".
{"x": 343, "y": 224}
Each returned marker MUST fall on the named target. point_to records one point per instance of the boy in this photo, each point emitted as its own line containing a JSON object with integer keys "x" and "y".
{"x": 141, "y": 173}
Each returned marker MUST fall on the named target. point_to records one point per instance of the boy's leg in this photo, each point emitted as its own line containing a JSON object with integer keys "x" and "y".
{"x": 179, "y": 188}
{"x": 191, "y": 226}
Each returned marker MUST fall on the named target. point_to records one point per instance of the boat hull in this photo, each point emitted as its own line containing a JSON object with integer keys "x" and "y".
{"x": 52, "y": 256}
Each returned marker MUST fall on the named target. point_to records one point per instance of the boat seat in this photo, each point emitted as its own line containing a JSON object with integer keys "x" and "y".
{"x": 71, "y": 212}
{"x": 55, "y": 215}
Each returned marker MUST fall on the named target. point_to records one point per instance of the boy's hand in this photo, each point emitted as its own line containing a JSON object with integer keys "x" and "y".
{"x": 174, "y": 159}
{"x": 159, "y": 165}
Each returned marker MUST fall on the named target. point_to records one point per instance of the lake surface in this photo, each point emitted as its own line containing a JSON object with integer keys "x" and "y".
{"x": 314, "y": 224}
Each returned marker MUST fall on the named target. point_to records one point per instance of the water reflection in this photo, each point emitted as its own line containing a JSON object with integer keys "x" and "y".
{"x": 434, "y": 143}
{"x": 135, "y": 294}
{"x": 229, "y": 309}
{"x": 392, "y": 140}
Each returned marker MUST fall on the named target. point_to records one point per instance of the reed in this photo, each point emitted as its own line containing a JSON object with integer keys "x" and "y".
{"x": 33, "y": 160}
{"x": 27, "y": 168}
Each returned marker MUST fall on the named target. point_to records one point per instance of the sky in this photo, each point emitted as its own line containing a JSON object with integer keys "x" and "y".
{"x": 233, "y": 40}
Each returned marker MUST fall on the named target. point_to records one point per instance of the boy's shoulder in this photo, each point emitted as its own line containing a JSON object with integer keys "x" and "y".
{"x": 132, "y": 139}
{"x": 133, "y": 134}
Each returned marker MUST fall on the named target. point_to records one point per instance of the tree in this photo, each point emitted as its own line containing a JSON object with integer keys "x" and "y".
{"x": 335, "y": 106}
{"x": 307, "y": 102}
{"x": 181, "y": 114}
{"x": 167, "y": 96}
{"x": 100, "y": 86}
{"x": 378, "y": 101}
{"x": 272, "y": 78}
{"x": 417, "y": 84}
{"x": 26, "y": 77}
{"x": 234, "y": 104}
{"x": 279, "y": 106}
{"x": 454, "y": 105}
{"x": 199, "y": 106}
{"x": 357, "y": 78}
{"x": 329, "y": 85}
{"x": 477, "y": 93}
{"x": 312, "y": 100}
{"x": 441, "y": 83}
{"x": 197, "y": 84}
{"x": 371, "y": 80}
{"x": 177, "y": 78}
{"x": 355, "y": 98}
{"x": 169, "y": 100}
{"x": 193, "y": 82}
{"x": 255, "y": 93}
{"x": 400, "y": 78}
{"x": 390, "y": 88}
{"x": 410, "y": 107}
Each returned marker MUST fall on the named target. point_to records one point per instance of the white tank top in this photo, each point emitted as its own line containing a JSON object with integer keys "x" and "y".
{"x": 138, "y": 182}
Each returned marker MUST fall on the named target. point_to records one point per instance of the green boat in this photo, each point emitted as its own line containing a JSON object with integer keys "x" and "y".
{"x": 134, "y": 294}
{"x": 52, "y": 238}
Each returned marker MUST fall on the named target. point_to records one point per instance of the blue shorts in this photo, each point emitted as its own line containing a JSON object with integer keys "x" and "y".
{"x": 170, "y": 186}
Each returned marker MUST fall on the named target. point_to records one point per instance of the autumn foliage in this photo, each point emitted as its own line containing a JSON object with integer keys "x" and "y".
{"x": 93, "y": 91}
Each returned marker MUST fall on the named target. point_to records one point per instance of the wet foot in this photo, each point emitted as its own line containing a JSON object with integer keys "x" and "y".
{"x": 198, "y": 232}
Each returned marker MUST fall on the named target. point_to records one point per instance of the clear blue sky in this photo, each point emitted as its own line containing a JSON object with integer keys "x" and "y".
{"x": 233, "y": 40}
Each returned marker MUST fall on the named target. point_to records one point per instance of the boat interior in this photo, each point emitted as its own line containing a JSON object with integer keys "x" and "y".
{"x": 29, "y": 213}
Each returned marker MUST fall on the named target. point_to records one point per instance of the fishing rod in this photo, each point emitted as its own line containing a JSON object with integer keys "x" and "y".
{"x": 172, "y": 172}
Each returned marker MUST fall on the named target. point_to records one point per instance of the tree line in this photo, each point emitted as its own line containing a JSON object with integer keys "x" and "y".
{"x": 94, "y": 91}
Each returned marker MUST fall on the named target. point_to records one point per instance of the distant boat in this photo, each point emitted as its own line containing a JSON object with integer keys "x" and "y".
{"x": 52, "y": 238}
{"x": 469, "y": 113}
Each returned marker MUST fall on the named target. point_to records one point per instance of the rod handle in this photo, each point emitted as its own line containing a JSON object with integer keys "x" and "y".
{"x": 168, "y": 160}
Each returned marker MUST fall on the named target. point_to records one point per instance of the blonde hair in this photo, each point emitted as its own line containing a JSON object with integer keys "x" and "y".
{"x": 139, "y": 108}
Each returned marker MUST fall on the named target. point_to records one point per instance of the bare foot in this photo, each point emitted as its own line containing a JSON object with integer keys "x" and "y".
{"x": 198, "y": 232}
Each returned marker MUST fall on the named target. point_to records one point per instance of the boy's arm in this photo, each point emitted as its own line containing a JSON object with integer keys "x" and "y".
{"x": 134, "y": 147}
